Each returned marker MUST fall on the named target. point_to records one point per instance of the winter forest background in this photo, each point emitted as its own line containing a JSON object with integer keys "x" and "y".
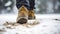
{"x": 42, "y": 6}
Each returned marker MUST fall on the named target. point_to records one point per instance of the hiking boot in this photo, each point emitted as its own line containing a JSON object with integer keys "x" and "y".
{"x": 31, "y": 15}
{"x": 22, "y": 15}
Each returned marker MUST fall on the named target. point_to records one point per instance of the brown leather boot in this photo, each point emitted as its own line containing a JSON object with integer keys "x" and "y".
{"x": 31, "y": 15}
{"x": 22, "y": 15}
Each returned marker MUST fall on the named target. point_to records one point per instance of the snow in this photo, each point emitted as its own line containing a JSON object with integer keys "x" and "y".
{"x": 47, "y": 25}
{"x": 8, "y": 3}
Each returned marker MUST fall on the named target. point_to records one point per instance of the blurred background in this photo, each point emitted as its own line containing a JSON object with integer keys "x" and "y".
{"x": 42, "y": 7}
{"x": 47, "y": 17}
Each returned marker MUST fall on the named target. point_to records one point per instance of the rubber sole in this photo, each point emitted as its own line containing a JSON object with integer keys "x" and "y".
{"x": 22, "y": 21}
{"x": 30, "y": 17}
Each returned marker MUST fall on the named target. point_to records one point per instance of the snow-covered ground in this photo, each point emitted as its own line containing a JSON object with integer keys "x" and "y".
{"x": 48, "y": 25}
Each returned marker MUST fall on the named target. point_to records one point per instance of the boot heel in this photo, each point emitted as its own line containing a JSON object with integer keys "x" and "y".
{"x": 22, "y": 21}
